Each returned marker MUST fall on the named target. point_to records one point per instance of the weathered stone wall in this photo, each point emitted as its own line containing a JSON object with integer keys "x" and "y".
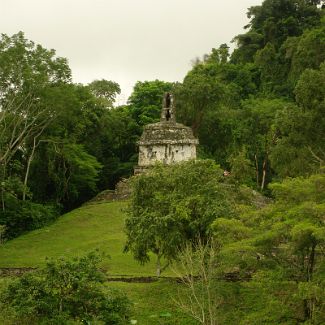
{"x": 166, "y": 153}
{"x": 15, "y": 271}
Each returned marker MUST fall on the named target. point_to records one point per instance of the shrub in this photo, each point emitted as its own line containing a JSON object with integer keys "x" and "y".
{"x": 21, "y": 216}
{"x": 66, "y": 291}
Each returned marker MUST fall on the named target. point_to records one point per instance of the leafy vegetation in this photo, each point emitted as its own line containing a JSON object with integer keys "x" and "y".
{"x": 63, "y": 291}
{"x": 97, "y": 226}
{"x": 172, "y": 205}
{"x": 274, "y": 250}
{"x": 280, "y": 246}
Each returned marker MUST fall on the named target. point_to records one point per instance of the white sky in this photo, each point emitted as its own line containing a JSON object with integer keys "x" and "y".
{"x": 127, "y": 40}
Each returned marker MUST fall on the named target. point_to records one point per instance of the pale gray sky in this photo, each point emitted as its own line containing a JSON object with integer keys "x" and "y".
{"x": 127, "y": 40}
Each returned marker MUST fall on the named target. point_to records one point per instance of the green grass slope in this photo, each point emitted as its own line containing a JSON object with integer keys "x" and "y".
{"x": 155, "y": 303}
{"x": 98, "y": 225}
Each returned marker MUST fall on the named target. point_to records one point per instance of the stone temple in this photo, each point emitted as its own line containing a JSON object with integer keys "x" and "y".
{"x": 166, "y": 141}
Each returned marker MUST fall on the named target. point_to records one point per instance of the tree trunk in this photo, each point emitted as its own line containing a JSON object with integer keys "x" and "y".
{"x": 158, "y": 265}
{"x": 197, "y": 122}
{"x": 2, "y": 198}
{"x": 2, "y": 180}
{"x": 311, "y": 263}
{"x": 28, "y": 168}
{"x": 256, "y": 171}
{"x": 61, "y": 305}
{"x": 306, "y": 310}
{"x": 264, "y": 174}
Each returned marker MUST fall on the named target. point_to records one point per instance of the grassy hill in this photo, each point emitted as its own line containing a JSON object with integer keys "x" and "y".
{"x": 98, "y": 225}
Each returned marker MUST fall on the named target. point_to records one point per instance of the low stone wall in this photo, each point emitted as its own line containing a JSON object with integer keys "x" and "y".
{"x": 122, "y": 192}
{"x": 15, "y": 271}
{"x": 123, "y": 189}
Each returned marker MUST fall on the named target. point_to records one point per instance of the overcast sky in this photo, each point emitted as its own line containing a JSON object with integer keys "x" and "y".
{"x": 127, "y": 40}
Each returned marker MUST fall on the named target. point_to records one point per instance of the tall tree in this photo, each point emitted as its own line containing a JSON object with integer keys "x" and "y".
{"x": 106, "y": 90}
{"x": 300, "y": 147}
{"x": 146, "y": 100}
{"x": 28, "y": 72}
{"x": 171, "y": 205}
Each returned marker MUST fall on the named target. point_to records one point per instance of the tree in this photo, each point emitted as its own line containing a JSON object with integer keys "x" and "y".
{"x": 57, "y": 162}
{"x": 300, "y": 146}
{"x": 20, "y": 122}
{"x": 28, "y": 75}
{"x": 220, "y": 55}
{"x": 200, "y": 91}
{"x": 146, "y": 100}
{"x": 171, "y": 205}
{"x": 247, "y": 45}
{"x": 242, "y": 169}
{"x": 196, "y": 267}
{"x": 27, "y": 68}
{"x": 273, "y": 22}
{"x": 281, "y": 35}
{"x": 65, "y": 291}
{"x": 106, "y": 90}
{"x": 281, "y": 248}
{"x": 28, "y": 71}
{"x": 257, "y": 133}
{"x": 305, "y": 52}
{"x": 296, "y": 243}
{"x": 119, "y": 135}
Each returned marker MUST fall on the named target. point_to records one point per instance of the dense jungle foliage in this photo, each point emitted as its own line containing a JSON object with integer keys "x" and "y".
{"x": 244, "y": 259}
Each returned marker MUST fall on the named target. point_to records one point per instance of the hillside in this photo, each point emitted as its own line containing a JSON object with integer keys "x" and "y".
{"x": 94, "y": 226}
{"x": 98, "y": 225}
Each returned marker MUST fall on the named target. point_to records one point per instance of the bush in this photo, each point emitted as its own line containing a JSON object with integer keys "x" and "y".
{"x": 21, "y": 216}
{"x": 66, "y": 291}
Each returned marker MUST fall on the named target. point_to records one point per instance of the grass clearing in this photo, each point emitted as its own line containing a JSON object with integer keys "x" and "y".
{"x": 154, "y": 302}
{"x": 99, "y": 226}
{"x": 94, "y": 226}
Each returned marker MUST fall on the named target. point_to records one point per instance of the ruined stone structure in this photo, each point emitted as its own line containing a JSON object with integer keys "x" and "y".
{"x": 166, "y": 141}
